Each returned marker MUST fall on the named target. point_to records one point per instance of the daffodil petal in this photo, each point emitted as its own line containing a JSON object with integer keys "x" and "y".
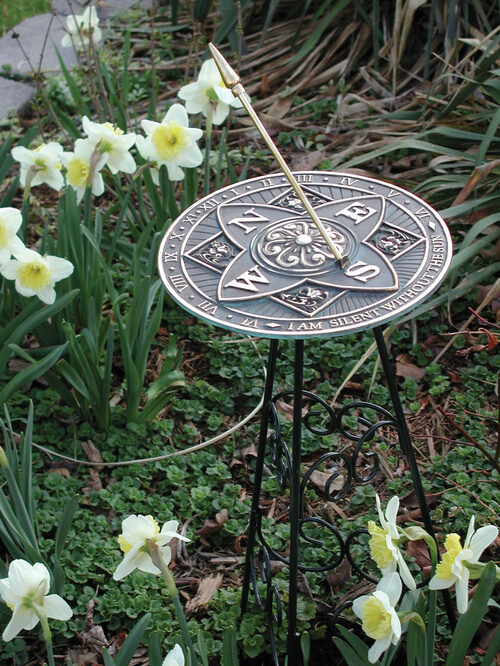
{"x": 59, "y": 268}
{"x": 143, "y": 562}
{"x": 436, "y": 583}
{"x": 221, "y": 113}
{"x": 378, "y": 647}
{"x": 178, "y": 114}
{"x": 405, "y": 573}
{"x": 462, "y": 591}
{"x": 358, "y": 603}
{"x": 391, "y": 586}
{"x": 22, "y": 618}
{"x": 470, "y": 531}
{"x": 46, "y": 294}
{"x": 56, "y": 608}
{"x": 481, "y": 539}
{"x": 175, "y": 657}
{"x": 128, "y": 564}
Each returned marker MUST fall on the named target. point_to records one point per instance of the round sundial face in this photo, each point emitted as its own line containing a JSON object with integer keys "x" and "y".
{"x": 249, "y": 258}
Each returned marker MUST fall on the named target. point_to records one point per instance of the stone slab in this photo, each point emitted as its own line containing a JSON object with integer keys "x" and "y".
{"x": 14, "y": 96}
{"x": 36, "y": 36}
{"x": 105, "y": 8}
{"x": 42, "y": 35}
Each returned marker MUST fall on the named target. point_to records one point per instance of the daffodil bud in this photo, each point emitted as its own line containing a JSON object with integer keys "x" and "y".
{"x": 3, "y": 458}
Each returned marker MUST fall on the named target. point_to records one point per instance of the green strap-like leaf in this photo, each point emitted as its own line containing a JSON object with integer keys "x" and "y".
{"x": 107, "y": 658}
{"x": 154, "y": 651}
{"x": 132, "y": 641}
{"x": 351, "y": 657}
{"x": 470, "y": 621}
{"x": 29, "y": 374}
{"x": 229, "y": 649}
{"x": 493, "y": 649}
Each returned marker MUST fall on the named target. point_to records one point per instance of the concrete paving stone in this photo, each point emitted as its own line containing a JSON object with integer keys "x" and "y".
{"x": 37, "y": 35}
{"x": 14, "y": 96}
{"x": 105, "y": 8}
{"x": 43, "y": 34}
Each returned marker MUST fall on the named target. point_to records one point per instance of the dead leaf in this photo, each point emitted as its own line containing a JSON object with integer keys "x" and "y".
{"x": 92, "y": 452}
{"x": 419, "y": 551}
{"x": 478, "y": 174}
{"x": 492, "y": 342}
{"x": 95, "y": 637}
{"x": 410, "y": 501}
{"x": 211, "y": 526}
{"x": 63, "y": 471}
{"x": 287, "y": 410}
{"x": 205, "y": 592}
{"x": 320, "y": 479}
{"x": 338, "y": 577}
{"x": 93, "y": 482}
{"x": 406, "y": 368}
{"x": 16, "y": 365}
{"x": 82, "y": 657}
{"x": 310, "y": 161}
{"x": 249, "y": 451}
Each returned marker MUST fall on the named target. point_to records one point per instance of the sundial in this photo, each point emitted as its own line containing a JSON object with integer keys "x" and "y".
{"x": 301, "y": 255}
{"x": 249, "y": 258}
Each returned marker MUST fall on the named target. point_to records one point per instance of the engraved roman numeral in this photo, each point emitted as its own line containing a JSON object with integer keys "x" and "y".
{"x": 393, "y": 193}
{"x": 170, "y": 256}
{"x": 246, "y": 280}
{"x": 179, "y": 282}
{"x": 304, "y": 178}
{"x": 267, "y": 182}
{"x": 208, "y": 205}
{"x": 422, "y": 212}
{"x": 251, "y": 323}
{"x": 348, "y": 181}
{"x": 208, "y": 307}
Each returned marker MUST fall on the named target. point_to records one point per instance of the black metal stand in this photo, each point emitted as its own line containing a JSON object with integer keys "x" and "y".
{"x": 288, "y": 472}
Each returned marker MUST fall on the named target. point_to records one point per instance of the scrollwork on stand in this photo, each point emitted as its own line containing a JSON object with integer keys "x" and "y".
{"x": 356, "y": 466}
{"x": 272, "y": 604}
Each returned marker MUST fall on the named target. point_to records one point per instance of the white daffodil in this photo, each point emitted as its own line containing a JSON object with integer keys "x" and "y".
{"x": 137, "y": 531}
{"x": 175, "y": 657}
{"x": 383, "y": 543}
{"x": 10, "y": 221}
{"x": 379, "y": 617}
{"x": 171, "y": 142}
{"x": 114, "y": 142}
{"x": 25, "y": 593}
{"x": 82, "y": 29}
{"x": 208, "y": 94}
{"x": 36, "y": 275}
{"x": 41, "y": 165}
{"x": 83, "y": 168}
{"x": 453, "y": 565}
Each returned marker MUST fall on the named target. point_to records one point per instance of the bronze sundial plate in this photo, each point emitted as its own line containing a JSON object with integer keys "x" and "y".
{"x": 249, "y": 258}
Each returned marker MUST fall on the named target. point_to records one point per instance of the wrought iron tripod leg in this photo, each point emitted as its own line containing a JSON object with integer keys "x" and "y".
{"x": 295, "y": 508}
{"x": 407, "y": 448}
{"x": 261, "y": 450}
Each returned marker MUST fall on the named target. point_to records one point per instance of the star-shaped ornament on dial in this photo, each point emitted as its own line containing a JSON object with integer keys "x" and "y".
{"x": 248, "y": 257}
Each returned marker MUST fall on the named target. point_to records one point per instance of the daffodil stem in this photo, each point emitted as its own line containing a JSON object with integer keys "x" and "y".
{"x": 208, "y": 142}
{"x": 26, "y": 203}
{"x": 47, "y": 634}
{"x": 431, "y": 615}
{"x": 168, "y": 577}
